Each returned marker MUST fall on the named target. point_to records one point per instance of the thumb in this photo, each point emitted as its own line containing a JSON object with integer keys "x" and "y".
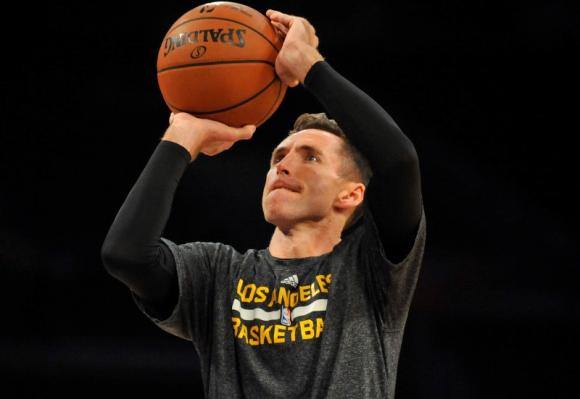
{"x": 246, "y": 132}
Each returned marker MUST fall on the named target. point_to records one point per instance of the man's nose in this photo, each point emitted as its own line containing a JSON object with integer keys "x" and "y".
{"x": 283, "y": 166}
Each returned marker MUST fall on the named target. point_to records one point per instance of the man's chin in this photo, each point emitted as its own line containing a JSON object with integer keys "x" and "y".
{"x": 278, "y": 218}
{"x": 275, "y": 219}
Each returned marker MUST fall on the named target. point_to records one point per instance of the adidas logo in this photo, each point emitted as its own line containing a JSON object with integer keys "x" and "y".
{"x": 292, "y": 280}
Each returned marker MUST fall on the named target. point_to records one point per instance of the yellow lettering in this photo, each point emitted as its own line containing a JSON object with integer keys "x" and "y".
{"x": 304, "y": 293}
{"x": 314, "y": 290}
{"x": 253, "y": 293}
{"x": 265, "y": 334}
{"x": 273, "y": 300}
{"x": 279, "y": 334}
{"x": 243, "y": 333}
{"x": 292, "y": 330}
{"x": 255, "y": 335}
{"x": 248, "y": 296}
{"x": 284, "y": 296}
{"x": 239, "y": 289}
{"x": 324, "y": 282}
{"x": 255, "y": 339}
{"x": 236, "y": 324}
{"x": 307, "y": 329}
{"x": 319, "y": 326}
{"x": 321, "y": 280}
{"x": 293, "y": 299}
{"x": 261, "y": 294}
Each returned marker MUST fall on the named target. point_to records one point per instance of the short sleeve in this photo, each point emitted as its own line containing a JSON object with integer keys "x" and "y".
{"x": 196, "y": 265}
{"x": 392, "y": 285}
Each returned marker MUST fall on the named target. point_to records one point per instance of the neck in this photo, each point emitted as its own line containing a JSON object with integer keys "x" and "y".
{"x": 305, "y": 240}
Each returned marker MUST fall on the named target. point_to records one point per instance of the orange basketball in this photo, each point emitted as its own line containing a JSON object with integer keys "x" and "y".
{"x": 217, "y": 62}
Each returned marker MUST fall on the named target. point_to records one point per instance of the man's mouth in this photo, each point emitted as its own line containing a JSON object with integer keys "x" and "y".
{"x": 284, "y": 185}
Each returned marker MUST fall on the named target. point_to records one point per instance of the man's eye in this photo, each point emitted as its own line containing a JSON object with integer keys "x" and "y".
{"x": 312, "y": 158}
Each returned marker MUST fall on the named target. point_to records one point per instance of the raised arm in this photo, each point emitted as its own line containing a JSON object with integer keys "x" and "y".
{"x": 132, "y": 251}
{"x": 394, "y": 193}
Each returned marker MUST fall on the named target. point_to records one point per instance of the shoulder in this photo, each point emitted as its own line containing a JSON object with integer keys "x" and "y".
{"x": 205, "y": 251}
{"x": 364, "y": 235}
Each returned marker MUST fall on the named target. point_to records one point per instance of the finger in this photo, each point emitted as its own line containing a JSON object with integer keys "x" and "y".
{"x": 312, "y": 38}
{"x": 247, "y": 132}
{"x": 315, "y": 42}
{"x": 281, "y": 29}
{"x": 280, "y": 34}
{"x": 232, "y": 134}
{"x": 171, "y": 118}
{"x": 278, "y": 16}
{"x": 270, "y": 11}
{"x": 209, "y": 153}
{"x": 217, "y": 148}
{"x": 312, "y": 28}
{"x": 213, "y": 149}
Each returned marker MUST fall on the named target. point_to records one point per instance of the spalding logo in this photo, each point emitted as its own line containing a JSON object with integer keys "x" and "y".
{"x": 234, "y": 37}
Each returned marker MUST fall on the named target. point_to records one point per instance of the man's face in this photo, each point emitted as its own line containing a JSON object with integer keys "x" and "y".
{"x": 304, "y": 179}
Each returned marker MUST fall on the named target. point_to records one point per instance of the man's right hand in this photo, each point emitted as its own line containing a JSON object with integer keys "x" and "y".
{"x": 299, "y": 50}
{"x": 204, "y": 135}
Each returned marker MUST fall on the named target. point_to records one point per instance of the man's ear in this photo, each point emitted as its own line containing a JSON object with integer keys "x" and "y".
{"x": 351, "y": 196}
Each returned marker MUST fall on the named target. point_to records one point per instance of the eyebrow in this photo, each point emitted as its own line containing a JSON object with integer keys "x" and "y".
{"x": 302, "y": 148}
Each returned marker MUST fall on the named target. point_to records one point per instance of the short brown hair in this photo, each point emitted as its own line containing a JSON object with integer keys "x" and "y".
{"x": 362, "y": 168}
{"x": 322, "y": 122}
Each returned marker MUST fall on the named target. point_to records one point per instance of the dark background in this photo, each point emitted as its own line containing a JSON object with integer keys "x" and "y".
{"x": 486, "y": 92}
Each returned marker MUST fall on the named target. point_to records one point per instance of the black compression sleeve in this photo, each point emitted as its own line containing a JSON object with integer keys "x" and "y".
{"x": 132, "y": 251}
{"x": 394, "y": 193}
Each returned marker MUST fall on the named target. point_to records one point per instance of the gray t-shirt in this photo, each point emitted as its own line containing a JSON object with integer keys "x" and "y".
{"x": 327, "y": 326}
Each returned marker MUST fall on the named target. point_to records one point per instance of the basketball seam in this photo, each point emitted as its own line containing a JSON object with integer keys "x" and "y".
{"x": 231, "y": 106}
{"x": 223, "y": 19}
{"x": 273, "y": 104}
{"x": 215, "y": 63}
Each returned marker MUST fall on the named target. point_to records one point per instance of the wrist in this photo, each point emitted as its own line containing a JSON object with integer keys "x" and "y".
{"x": 310, "y": 57}
{"x": 191, "y": 142}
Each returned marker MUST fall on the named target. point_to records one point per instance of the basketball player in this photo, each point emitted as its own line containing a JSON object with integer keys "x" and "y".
{"x": 320, "y": 312}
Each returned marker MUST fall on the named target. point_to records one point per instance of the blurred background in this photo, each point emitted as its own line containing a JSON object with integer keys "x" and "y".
{"x": 485, "y": 90}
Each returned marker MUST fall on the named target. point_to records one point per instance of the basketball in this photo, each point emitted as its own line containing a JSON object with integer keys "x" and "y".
{"x": 217, "y": 61}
